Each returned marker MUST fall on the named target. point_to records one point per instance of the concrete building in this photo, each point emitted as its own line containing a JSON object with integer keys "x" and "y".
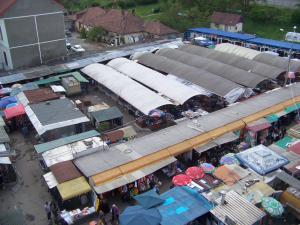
{"x": 31, "y": 32}
{"x": 227, "y": 22}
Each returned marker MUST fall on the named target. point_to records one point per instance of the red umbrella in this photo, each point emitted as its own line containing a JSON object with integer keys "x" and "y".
{"x": 181, "y": 180}
{"x": 195, "y": 172}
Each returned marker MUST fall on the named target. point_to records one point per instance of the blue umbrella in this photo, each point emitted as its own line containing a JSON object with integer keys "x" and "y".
{"x": 11, "y": 105}
{"x": 149, "y": 199}
{"x": 137, "y": 215}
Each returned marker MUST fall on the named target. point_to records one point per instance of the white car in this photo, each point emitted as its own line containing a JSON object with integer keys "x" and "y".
{"x": 77, "y": 48}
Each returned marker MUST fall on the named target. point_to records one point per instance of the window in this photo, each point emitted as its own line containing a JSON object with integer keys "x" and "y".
{"x": 5, "y": 58}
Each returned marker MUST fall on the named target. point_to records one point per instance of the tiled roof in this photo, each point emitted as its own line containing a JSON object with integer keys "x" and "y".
{"x": 86, "y": 16}
{"x": 118, "y": 21}
{"x": 157, "y": 28}
{"x": 226, "y": 18}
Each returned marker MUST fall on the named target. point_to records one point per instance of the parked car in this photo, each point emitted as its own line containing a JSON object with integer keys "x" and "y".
{"x": 77, "y": 48}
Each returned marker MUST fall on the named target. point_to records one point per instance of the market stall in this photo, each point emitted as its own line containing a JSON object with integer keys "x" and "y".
{"x": 261, "y": 159}
{"x": 257, "y": 132}
{"x": 7, "y": 171}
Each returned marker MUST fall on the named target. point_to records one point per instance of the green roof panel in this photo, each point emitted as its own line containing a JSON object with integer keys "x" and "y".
{"x": 107, "y": 114}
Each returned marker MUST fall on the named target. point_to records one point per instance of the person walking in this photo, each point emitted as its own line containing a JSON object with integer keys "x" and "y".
{"x": 115, "y": 212}
{"x": 47, "y": 208}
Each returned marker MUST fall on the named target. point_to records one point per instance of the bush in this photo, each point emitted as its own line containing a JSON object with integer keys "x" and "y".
{"x": 96, "y": 34}
{"x": 146, "y": 2}
{"x": 156, "y": 10}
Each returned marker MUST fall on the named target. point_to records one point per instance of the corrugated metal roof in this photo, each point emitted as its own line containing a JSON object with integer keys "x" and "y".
{"x": 234, "y": 60}
{"x": 41, "y": 148}
{"x": 107, "y": 114}
{"x": 176, "y": 91}
{"x": 292, "y": 181}
{"x": 131, "y": 177}
{"x": 54, "y": 114}
{"x": 229, "y": 72}
{"x": 137, "y": 95}
{"x": 211, "y": 82}
{"x": 237, "y": 50}
{"x": 221, "y": 33}
{"x": 238, "y": 209}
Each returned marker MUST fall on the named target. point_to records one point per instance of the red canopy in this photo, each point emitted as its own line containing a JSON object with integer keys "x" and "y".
{"x": 181, "y": 180}
{"x": 12, "y": 112}
{"x": 195, "y": 172}
{"x": 295, "y": 148}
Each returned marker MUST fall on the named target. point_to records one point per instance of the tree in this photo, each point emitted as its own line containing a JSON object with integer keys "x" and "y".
{"x": 295, "y": 18}
{"x": 96, "y": 34}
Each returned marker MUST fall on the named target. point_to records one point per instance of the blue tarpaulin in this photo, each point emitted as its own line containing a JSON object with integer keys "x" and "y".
{"x": 182, "y": 205}
{"x": 261, "y": 159}
{"x": 137, "y": 215}
{"x": 6, "y": 101}
{"x": 149, "y": 199}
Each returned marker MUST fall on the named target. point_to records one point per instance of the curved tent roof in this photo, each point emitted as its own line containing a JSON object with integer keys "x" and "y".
{"x": 237, "y": 50}
{"x": 132, "y": 92}
{"x": 258, "y": 56}
{"x": 277, "y": 61}
{"x": 204, "y": 79}
{"x": 234, "y": 74}
{"x": 155, "y": 80}
{"x": 234, "y": 60}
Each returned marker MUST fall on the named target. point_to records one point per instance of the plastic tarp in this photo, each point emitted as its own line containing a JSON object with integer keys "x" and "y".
{"x": 182, "y": 205}
{"x": 15, "y": 111}
{"x": 234, "y": 60}
{"x": 50, "y": 180}
{"x": 174, "y": 90}
{"x": 229, "y": 72}
{"x": 211, "y": 82}
{"x": 140, "y": 97}
{"x": 261, "y": 159}
{"x": 73, "y": 188}
{"x": 285, "y": 142}
{"x": 6, "y": 101}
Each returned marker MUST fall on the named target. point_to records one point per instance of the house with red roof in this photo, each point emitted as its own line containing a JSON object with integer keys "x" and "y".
{"x": 32, "y": 32}
{"x": 226, "y": 22}
{"x": 122, "y": 27}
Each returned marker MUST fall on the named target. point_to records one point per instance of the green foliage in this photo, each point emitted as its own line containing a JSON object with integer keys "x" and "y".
{"x": 295, "y": 17}
{"x": 96, "y": 34}
{"x": 267, "y": 14}
{"x": 83, "y": 33}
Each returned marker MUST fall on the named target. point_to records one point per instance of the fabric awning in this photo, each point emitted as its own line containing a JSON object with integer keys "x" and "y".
{"x": 272, "y": 118}
{"x": 285, "y": 142}
{"x": 50, "y": 180}
{"x": 131, "y": 177}
{"x": 205, "y": 147}
{"x": 292, "y": 108}
{"x": 258, "y": 125}
{"x": 281, "y": 113}
{"x": 295, "y": 147}
{"x": 73, "y": 188}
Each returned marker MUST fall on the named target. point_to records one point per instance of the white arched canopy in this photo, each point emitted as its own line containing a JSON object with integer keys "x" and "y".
{"x": 172, "y": 89}
{"x": 140, "y": 97}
